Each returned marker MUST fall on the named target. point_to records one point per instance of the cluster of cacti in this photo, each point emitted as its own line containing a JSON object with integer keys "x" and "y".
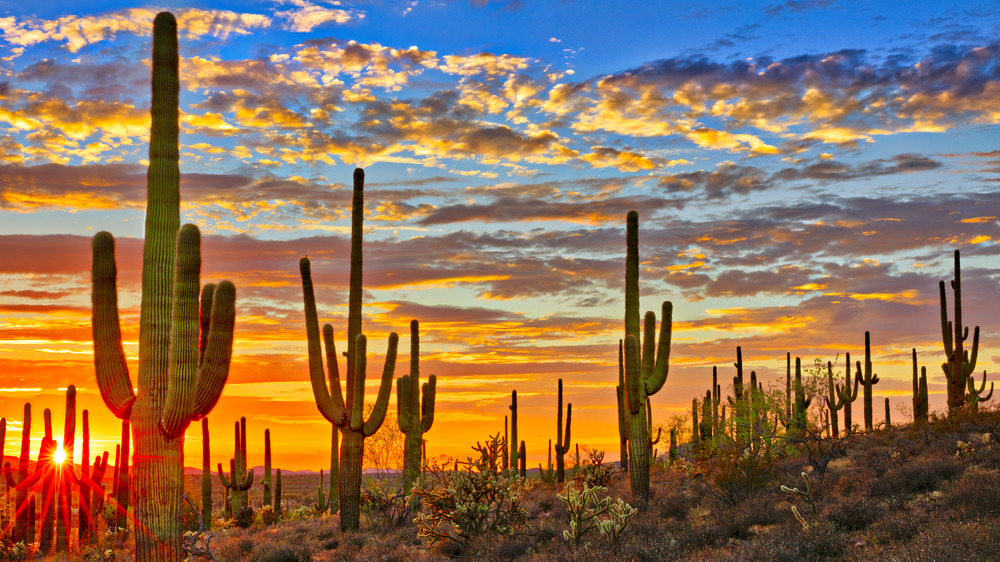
{"x": 960, "y": 364}
{"x": 646, "y": 364}
{"x": 187, "y": 372}
{"x": 562, "y": 440}
{"x": 848, "y": 394}
{"x": 347, "y": 414}
{"x": 240, "y": 477}
{"x": 802, "y": 402}
{"x": 414, "y": 416}
{"x": 321, "y": 504}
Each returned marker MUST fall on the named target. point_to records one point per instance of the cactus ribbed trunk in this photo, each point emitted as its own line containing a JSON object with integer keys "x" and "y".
{"x": 206, "y": 477}
{"x": 414, "y": 417}
{"x": 868, "y": 380}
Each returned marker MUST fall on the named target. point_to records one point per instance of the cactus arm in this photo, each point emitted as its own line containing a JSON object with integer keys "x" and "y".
{"x": 109, "y": 355}
{"x": 970, "y": 362}
{"x": 403, "y": 403}
{"x": 569, "y": 425}
{"x": 214, "y": 369}
{"x": 326, "y": 405}
{"x": 377, "y": 416}
{"x": 427, "y": 404}
{"x": 356, "y": 280}
{"x": 656, "y": 379}
{"x": 332, "y": 367}
{"x": 971, "y": 383}
{"x": 222, "y": 475}
{"x": 632, "y": 274}
{"x": 945, "y": 323}
{"x": 205, "y": 316}
{"x": 183, "y": 363}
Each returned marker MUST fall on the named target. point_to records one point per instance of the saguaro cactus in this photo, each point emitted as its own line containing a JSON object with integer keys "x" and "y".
{"x": 834, "y": 402}
{"x": 277, "y": 492}
{"x": 960, "y": 364}
{"x": 513, "y": 430}
{"x": 975, "y": 396}
{"x": 797, "y": 424}
{"x": 240, "y": 478}
{"x": 267, "y": 468}
{"x": 921, "y": 410}
{"x": 413, "y": 416}
{"x": 64, "y": 474}
{"x": 21, "y": 492}
{"x": 178, "y": 382}
{"x": 868, "y": 380}
{"x": 848, "y": 394}
{"x": 645, "y": 370}
{"x": 347, "y": 415}
{"x": 562, "y": 441}
{"x": 620, "y": 397}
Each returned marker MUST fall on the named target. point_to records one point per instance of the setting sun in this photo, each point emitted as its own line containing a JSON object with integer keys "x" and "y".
{"x": 60, "y": 455}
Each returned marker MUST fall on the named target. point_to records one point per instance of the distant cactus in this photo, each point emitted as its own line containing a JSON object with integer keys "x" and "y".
{"x": 523, "y": 459}
{"x": 797, "y": 424}
{"x": 321, "y": 504}
{"x": 513, "y": 430}
{"x": 848, "y": 394}
{"x": 695, "y": 427}
{"x": 888, "y": 415}
{"x": 267, "y": 469}
{"x": 277, "y": 493}
{"x": 646, "y": 365}
{"x": 834, "y": 401}
{"x": 548, "y": 474}
{"x": 868, "y": 380}
{"x": 240, "y": 478}
{"x": 413, "y": 416}
{"x": 960, "y": 364}
{"x": 921, "y": 411}
{"x": 562, "y": 439}
{"x": 347, "y": 414}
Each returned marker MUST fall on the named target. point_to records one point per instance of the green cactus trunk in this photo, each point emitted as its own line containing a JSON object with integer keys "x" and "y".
{"x": 333, "y": 498}
{"x": 206, "y": 478}
{"x": 620, "y": 397}
{"x": 178, "y": 382}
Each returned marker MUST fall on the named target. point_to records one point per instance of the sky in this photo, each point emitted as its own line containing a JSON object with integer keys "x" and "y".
{"x": 803, "y": 171}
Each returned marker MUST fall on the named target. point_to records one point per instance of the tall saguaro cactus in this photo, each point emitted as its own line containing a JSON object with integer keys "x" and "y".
{"x": 920, "y": 407}
{"x": 240, "y": 477}
{"x": 178, "y": 382}
{"x": 414, "y": 416}
{"x": 960, "y": 363}
{"x": 868, "y": 380}
{"x": 646, "y": 365}
{"x": 347, "y": 414}
{"x": 848, "y": 394}
{"x": 562, "y": 440}
{"x": 513, "y": 430}
{"x": 834, "y": 402}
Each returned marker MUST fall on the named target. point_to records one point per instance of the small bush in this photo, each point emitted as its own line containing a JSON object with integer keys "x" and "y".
{"x": 917, "y": 476}
{"x": 894, "y": 528}
{"x": 976, "y": 493}
{"x": 854, "y": 514}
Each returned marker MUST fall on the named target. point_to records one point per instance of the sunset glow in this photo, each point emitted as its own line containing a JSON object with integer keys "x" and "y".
{"x": 802, "y": 171}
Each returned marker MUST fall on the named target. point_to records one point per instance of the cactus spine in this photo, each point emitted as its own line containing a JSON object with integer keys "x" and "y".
{"x": 960, "y": 364}
{"x": 206, "y": 477}
{"x": 646, "y": 365}
{"x": 240, "y": 478}
{"x": 562, "y": 440}
{"x": 347, "y": 414}
{"x": 177, "y": 384}
{"x": 413, "y": 416}
{"x": 868, "y": 380}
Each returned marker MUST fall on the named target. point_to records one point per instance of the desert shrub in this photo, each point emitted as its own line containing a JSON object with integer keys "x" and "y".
{"x": 267, "y": 515}
{"x": 987, "y": 457}
{"x": 16, "y": 551}
{"x": 457, "y": 505}
{"x": 739, "y": 472}
{"x": 585, "y": 511}
{"x": 948, "y": 541}
{"x": 976, "y": 493}
{"x": 917, "y": 476}
{"x": 894, "y": 528}
{"x": 737, "y": 521}
{"x": 383, "y": 501}
{"x": 854, "y": 514}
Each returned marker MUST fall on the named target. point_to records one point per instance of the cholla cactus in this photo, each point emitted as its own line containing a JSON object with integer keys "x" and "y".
{"x": 585, "y": 511}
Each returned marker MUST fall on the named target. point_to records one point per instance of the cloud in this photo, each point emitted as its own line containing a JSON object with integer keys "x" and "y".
{"x": 306, "y": 16}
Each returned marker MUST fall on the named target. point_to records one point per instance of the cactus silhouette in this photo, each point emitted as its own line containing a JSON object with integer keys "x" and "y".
{"x": 868, "y": 380}
{"x": 414, "y": 416}
{"x": 960, "y": 363}
{"x": 834, "y": 401}
{"x": 848, "y": 394}
{"x": 562, "y": 439}
{"x": 347, "y": 414}
{"x": 921, "y": 410}
{"x": 178, "y": 382}
{"x": 240, "y": 478}
{"x": 513, "y": 430}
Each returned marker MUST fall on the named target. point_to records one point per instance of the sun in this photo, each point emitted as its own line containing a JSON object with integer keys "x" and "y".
{"x": 60, "y": 455}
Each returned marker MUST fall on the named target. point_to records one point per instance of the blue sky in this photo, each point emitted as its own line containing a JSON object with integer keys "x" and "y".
{"x": 803, "y": 172}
